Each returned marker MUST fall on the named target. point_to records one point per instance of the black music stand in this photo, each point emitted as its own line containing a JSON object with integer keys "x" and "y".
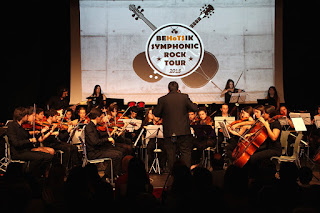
{"x": 204, "y": 131}
{"x": 155, "y": 131}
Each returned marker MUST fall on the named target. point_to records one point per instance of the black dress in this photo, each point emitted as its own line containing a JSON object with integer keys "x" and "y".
{"x": 96, "y": 101}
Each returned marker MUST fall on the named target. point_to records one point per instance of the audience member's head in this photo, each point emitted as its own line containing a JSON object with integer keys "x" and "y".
{"x": 305, "y": 175}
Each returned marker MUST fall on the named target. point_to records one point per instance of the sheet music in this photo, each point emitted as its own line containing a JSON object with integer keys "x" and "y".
{"x": 238, "y": 97}
{"x": 299, "y": 124}
{"x": 306, "y": 117}
{"x": 134, "y": 124}
{"x": 227, "y": 120}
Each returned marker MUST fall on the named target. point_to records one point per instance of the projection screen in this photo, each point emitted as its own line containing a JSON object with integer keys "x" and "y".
{"x": 222, "y": 39}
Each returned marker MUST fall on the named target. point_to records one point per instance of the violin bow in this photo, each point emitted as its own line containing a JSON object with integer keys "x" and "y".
{"x": 34, "y": 122}
{"x": 105, "y": 122}
{"x": 238, "y": 79}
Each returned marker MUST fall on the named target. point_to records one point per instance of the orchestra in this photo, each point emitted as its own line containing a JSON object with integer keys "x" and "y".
{"x": 50, "y": 131}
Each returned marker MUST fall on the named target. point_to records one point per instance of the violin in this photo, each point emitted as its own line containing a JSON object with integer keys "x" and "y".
{"x": 316, "y": 158}
{"x": 195, "y": 121}
{"x": 206, "y": 121}
{"x": 239, "y": 121}
{"x": 103, "y": 127}
{"x": 38, "y": 125}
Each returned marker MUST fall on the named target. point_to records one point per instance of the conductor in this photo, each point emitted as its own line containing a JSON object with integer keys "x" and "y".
{"x": 173, "y": 108}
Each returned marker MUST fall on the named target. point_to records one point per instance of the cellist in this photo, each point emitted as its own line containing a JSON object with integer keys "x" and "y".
{"x": 237, "y": 128}
{"x": 271, "y": 146}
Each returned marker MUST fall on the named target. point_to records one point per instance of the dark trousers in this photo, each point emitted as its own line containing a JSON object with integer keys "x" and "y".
{"x": 39, "y": 161}
{"x": 115, "y": 153}
{"x": 181, "y": 145}
{"x": 70, "y": 152}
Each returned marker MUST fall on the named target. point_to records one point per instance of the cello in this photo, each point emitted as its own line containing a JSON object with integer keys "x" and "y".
{"x": 247, "y": 147}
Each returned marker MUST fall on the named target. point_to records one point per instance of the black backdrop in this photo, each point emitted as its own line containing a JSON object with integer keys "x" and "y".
{"x": 36, "y": 49}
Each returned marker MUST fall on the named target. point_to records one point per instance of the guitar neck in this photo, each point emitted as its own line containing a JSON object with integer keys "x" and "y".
{"x": 148, "y": 23}
{"x": 195, "y": 22}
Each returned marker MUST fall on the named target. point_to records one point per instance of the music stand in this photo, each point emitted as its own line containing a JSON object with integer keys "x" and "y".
{"x": 204, "y": 131}
{"x": 155, "y": 131}
{"x": 239, "y": 97}
{"x": 224, "y": 130}
{"x": 137, "y": 124}
{"x": 306, "y": 117}
{"x": 217, "y": 120}
{"x": 263, "y": 102}
{"x": 299, "y": 125}
{"x": 283, "y": 121}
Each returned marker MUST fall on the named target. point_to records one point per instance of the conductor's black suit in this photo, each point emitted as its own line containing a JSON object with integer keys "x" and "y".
{"x": 173, "y": 108}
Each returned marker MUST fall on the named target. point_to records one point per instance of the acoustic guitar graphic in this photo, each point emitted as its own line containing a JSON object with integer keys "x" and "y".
{"x": 198, "y": 78}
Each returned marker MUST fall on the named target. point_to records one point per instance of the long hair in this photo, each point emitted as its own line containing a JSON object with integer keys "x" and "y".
{"x": 146, "y": 118}
{"x": 95, "y": 89}
{"x": 227, "y": 84}
{"x": 275, "y": 93}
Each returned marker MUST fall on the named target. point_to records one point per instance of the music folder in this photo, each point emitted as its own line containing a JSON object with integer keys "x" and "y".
{"x": 202, "y": 131}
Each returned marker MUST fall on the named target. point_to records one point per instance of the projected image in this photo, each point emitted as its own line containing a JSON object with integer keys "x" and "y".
{"x": 133, "y": 49}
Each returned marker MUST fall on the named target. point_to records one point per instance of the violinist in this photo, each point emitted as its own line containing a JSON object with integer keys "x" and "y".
{"x": 228, "y": 90}
{"x": 101, "y": 145}
{"x": 271, "y": 146}
{"x": 68, "y": 116}
{"x": 21, "y": 145}
{"x": 54, "y": 140}
{"x": 83, "y": 118}
{"x": 193, "y": 117}
{"x": 224, "y": 113}
{"x": 239, "y": 127}
{"x": 285, "y": 117}
{"x": 133, "y": 115}
{"x": 204, "y": 139}
{"x": 204, "y": 119}
{"x": 224, "y": 110}
{"x": 111, "y": 118}
{"x": 97, "y": 98}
